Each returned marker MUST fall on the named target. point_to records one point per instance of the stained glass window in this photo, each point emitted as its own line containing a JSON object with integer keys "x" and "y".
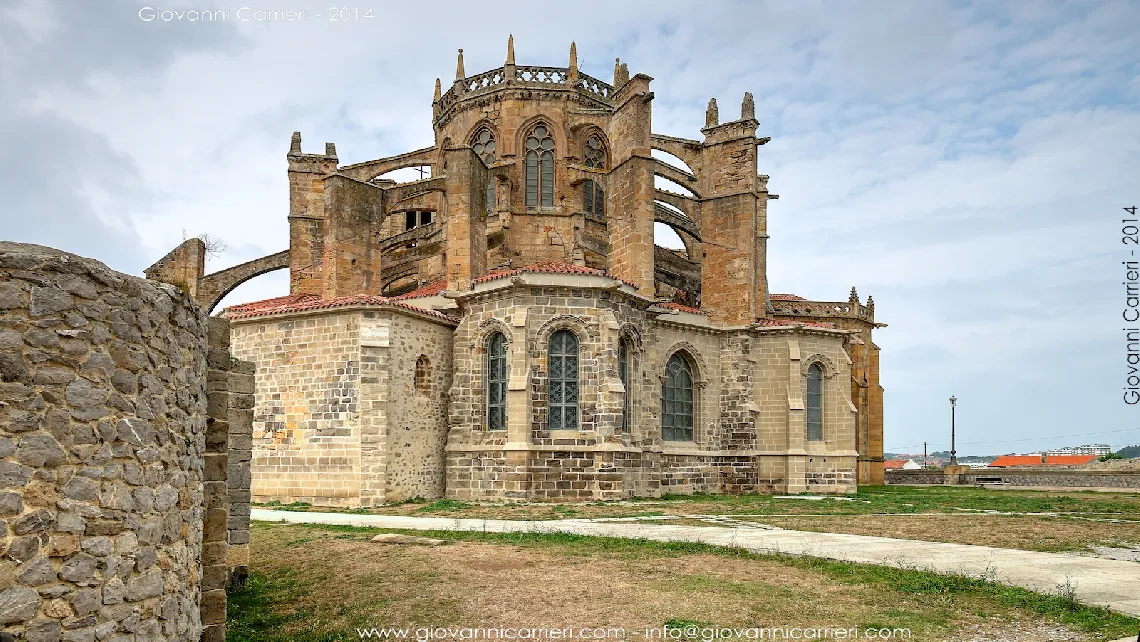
{"x": 677, "y": 400}
{"x": 497, "y": 382}
{"x": 815, "y": 403}
{"x": 539, "y": 168}
{"x": 595, "y": 154}
{"x": 562, "y": 387}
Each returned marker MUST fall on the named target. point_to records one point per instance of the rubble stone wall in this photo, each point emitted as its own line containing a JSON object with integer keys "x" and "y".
{"x": 1028, "y": 476}
{"x": 104, "y": 462}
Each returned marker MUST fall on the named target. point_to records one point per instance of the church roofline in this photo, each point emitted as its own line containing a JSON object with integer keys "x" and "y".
{"x": 310, "y": 303}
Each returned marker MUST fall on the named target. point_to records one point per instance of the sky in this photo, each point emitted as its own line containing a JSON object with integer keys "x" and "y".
{"x": 964, "y": 163}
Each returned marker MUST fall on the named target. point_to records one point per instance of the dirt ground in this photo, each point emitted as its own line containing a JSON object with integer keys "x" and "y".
{"x": 315, "y": 584}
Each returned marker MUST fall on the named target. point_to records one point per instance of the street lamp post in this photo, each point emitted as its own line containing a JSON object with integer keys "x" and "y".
{"x": 953, "y": 453}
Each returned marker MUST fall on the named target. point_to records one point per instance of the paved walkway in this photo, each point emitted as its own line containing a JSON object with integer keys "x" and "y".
{"x": 1111, "y": 583}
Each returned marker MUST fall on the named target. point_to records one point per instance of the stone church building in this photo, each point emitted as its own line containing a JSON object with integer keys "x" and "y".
{"x": 506, "y": 328}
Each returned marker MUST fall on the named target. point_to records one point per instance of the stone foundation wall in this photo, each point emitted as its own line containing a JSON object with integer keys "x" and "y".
{"x": 108, "y": 487}
{"x": 1066, "y": 478}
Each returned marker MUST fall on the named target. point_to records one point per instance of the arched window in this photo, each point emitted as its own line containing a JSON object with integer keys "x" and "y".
{"x": 483, "y": 144}
{"x": 815, "y": 403}
{"x": 423, "y": 376}
{"x": 497, "y": 382}
{"x": 562, "y": 385}
{"x": 623, "y": 374}
{"x": 593, "y": 199}
{"x": 594, "y": 154}
{"x": 540, "y": 168}
{"x": 677, "y": 400}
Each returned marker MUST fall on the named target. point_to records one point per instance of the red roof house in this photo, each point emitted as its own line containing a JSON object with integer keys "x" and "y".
{"x": 1006, "y": 461}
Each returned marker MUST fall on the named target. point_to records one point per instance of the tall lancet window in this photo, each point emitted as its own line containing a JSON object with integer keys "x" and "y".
{"x": 540, "y": 168}
{"x": 497, "y": 382}
{"x": 623, "y": 374}
{"x": 483, "y": 144}
{"x": 677, "y": 400}
{"x": 562, "y": 397}
{"x": 815, "y": 403}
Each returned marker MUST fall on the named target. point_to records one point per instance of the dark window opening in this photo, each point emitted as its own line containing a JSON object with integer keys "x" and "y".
{"x": 417, "y": 218}
{"x": 423, "y": 376}
{"x": 593, "y": 199}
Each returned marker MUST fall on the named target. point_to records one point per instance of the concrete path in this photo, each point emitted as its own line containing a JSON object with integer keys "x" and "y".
{"x": 1111, "y": 583}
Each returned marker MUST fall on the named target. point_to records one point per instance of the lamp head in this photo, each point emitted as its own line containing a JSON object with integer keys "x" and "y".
{"x": 953, "y": 400}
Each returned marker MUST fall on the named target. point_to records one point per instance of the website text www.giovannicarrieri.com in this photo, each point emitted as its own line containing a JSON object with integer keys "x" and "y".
{"x": 680, "y": 632}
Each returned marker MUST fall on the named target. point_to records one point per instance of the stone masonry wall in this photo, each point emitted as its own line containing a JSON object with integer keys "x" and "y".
{"x": 104, "y": 492}
{"x": 749, "y": 430}
{"x": 305, "y": 440}
{"x": 350, "y": 407}
{"x": 1029, "y": 476}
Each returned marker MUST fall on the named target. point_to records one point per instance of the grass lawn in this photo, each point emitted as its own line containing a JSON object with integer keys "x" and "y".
{"x": 869, "y": 500}
{"x": 962, "y": 514}
{"x": 321, "y": 583}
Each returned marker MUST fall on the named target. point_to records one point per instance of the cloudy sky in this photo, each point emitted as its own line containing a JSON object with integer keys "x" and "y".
{"x": 964, "y": 163}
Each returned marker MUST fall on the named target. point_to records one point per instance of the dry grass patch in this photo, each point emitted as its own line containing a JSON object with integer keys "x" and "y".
{"x": 322, "y": 583}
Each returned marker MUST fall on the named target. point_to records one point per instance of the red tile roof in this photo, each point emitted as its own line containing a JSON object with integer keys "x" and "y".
{"x": 772, "y": 323}
{"x": 682, "y": 308}
{"x": 1006, "y": 461}
{"x": 894, "y": 463}
{"x": 431, "y": 289}
{"x": 786, "y": 297}
{"x": 1069, "y": 460}
{"x": 549, "y": 267}
{"x": 305, "y": 302}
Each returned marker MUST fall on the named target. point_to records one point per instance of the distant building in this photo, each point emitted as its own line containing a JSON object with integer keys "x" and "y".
{"x": 1036, "y": 459}
{"x": 1098, "y": 450}
{"x": 903, "y": 464}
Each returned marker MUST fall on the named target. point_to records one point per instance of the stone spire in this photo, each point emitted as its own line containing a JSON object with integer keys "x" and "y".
{"x": 438, "y": 93}
{"x": 459, "y": 73}
{"x": 621, "y": 73}
{"x": 854, "y": 296}
{"x": 295, "y": 143}
{"x": 712, "y": 114}
{"x": 748, "y": 107}
{"x": 871, "y": 302}
{"x": 510, "y": 49}
{"x": 573, "y": 59}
